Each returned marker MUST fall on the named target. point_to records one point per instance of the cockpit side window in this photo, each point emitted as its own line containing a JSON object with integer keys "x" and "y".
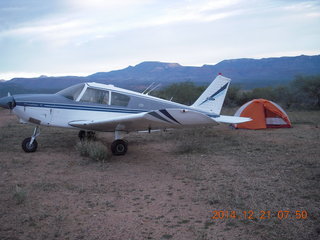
{"x": 95, "y": 96}
{"x": 118, "y": 99}
{"x": 72, "y": 92}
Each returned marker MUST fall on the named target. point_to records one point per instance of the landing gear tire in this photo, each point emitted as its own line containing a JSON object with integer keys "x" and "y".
{"x": 119, "y": 147}
{"x": 29, "y": 148}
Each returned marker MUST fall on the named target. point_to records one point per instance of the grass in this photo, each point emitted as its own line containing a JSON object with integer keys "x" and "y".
{"x": 214, "y": 168}
{"x": 94, "y": 150}
{"x": 272, "y": 170}
{"x": 20, "y": 195}
{"x": 304, "y": 117}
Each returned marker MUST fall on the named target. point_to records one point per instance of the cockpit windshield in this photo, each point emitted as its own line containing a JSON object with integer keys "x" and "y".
{"x": 72, "y": 92}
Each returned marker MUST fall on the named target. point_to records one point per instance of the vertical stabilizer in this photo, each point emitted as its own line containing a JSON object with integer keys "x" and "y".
{"x": 211, "y": 100}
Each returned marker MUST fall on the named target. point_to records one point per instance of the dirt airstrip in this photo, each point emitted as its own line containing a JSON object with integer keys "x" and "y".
{"x": 167, "y": 186}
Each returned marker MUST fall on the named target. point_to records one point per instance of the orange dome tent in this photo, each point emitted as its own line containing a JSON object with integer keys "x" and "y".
{"x": 264, "y": 114}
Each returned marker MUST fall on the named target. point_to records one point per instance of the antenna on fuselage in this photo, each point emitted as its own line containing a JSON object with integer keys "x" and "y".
{"x": 153, "y": 89}
{"x": 148, "y": 88}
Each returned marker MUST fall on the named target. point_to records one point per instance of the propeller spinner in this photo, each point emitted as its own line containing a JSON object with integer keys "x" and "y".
{"x": 7, "y": 102}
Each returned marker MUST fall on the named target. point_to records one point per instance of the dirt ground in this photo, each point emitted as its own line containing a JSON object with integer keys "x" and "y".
{"x": 167, "y": 186}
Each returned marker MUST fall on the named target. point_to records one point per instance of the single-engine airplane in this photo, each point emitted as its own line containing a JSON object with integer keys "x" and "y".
{"x": 91, "y": 107}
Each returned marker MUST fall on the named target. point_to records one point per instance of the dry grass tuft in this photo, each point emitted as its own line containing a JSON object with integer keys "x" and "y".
{"x": 94, "y": 150}
{"x": 20, "y": 195}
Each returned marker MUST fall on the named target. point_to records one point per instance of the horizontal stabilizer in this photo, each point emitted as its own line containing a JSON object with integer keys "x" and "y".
{"x": 231, "y": 119}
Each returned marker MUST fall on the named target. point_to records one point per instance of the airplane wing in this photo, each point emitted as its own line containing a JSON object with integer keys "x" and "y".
{"x": 159, "y": 119}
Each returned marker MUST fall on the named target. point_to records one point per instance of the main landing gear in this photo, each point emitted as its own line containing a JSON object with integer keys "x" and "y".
{"x": 118, "y": 147}
{"x": 30, "y": 144}
{"x": 86, "y": 135}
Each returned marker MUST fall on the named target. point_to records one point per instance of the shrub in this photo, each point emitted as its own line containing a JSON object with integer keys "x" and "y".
{"x": 191, "y": 140}
{"x": 20, "y": 195}
{"x": 94, "y": 150}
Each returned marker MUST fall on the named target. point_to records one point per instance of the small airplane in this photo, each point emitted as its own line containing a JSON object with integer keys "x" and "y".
{"x": 91, "y": 107}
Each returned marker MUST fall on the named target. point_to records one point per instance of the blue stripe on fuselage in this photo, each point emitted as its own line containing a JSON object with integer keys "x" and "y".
{"x": 89, "y": 108}
{"x": 78, "y": 107}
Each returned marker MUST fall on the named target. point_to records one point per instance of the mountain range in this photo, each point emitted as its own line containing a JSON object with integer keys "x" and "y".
{"x": 248, "y": 73}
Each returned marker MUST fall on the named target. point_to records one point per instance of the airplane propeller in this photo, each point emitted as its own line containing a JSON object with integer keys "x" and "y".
{"x": 7, "y": 102}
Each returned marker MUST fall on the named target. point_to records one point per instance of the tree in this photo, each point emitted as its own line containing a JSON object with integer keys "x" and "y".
{"x": 232, "y": 97}
{"x": 185, "y": 93}
{"x": 307, "y": 90}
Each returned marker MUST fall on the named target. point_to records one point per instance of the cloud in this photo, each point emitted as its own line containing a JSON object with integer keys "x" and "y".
{"x": 44, "y": 28}
{"x": 79, "y": 34}
{"x": 200, "y": 11}
{"x": 80, "y": 28}
{"x": 102, "y": 4}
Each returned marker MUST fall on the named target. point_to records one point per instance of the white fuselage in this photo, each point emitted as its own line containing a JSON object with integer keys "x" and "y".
{"x": 97, "y": 102}
{"x": 60, "y": 117}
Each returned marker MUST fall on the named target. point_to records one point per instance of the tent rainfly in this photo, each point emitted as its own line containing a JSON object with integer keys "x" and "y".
{"x": 264, "y": 114}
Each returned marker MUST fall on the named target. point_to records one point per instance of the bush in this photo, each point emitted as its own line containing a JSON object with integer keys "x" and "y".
{"x": 19, "y": 195}
{"x": 307, "y": 91}
{"x": 185, "y": 92}
{"x": 94, "y": 150}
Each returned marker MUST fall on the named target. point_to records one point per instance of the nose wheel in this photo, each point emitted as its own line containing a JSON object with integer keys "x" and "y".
{"x": 30, "y": 144}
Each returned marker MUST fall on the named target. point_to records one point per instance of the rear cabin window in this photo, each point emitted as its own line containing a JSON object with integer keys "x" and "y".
{"x": 72, "y": 92}
{"x": 95, "y": 96}
{"x": 118, "y": 99}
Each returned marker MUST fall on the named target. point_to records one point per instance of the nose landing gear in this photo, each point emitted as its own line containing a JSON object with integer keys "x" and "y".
{"x": 30, "y": 144}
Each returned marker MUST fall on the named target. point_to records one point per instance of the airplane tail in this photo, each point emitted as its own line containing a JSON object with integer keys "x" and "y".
{"x": 211, "y": 100}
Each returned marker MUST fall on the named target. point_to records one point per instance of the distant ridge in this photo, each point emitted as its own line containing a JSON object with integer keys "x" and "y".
{"x": 245, "y": 71}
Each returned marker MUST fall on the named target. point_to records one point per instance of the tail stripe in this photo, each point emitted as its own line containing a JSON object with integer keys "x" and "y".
{"x": 211, "y": 100}
{"x": 215, "y": 94}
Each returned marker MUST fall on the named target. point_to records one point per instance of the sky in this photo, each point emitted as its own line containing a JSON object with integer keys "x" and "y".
{"x": 81, "y": 37}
